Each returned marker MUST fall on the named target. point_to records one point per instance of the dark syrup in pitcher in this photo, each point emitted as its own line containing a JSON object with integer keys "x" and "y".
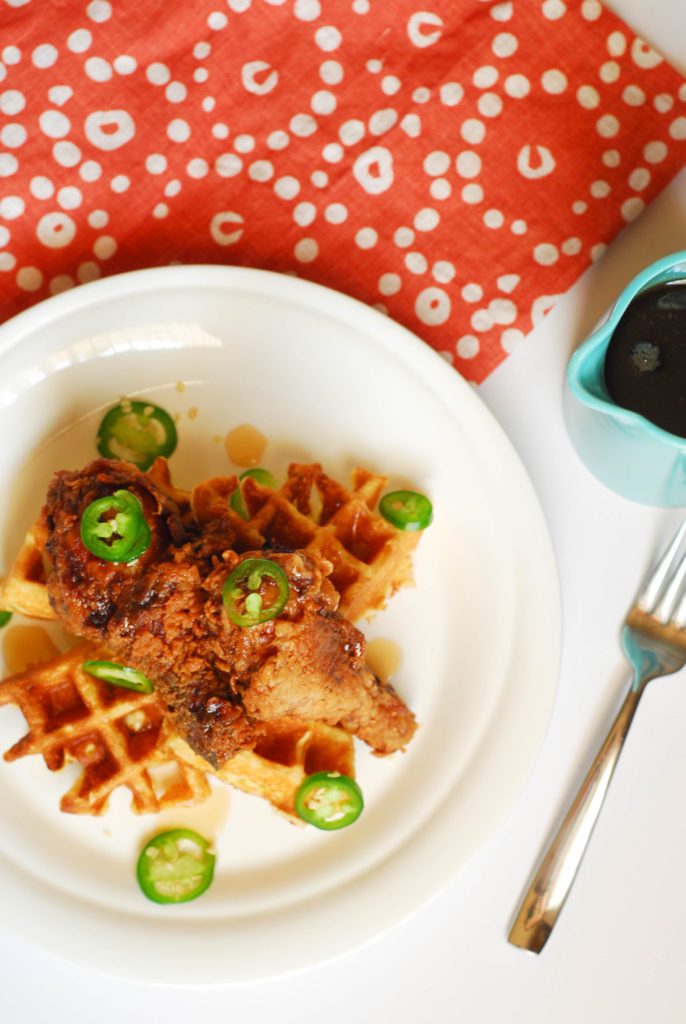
{"x": 645, "y": 364}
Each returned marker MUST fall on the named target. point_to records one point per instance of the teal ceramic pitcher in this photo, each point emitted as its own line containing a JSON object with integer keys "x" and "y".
{"x": 623, "y": 449}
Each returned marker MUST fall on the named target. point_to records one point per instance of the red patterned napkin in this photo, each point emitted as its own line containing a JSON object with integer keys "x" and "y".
{"x": 457, "y": 163}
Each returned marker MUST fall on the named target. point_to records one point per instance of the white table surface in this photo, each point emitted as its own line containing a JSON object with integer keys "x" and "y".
{"x": 617, "y": 953}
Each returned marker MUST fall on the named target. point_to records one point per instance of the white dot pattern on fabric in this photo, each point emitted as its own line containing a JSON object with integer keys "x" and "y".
{"x": 610, "y": 72}
{"x": 99, "y": 69}
{"x": 90, "y": 170}
{"x": 11, "y": 55}
{"x": 554, "y": 81}
{"x": 306, "y": 250}
{"x": 11, "y": 207}
{"x": 8, "y": 164}
{"x": 443, "y": 271}
{"x": 472, "y": 194}
{"x": 517, "y": 86}
{"x": 12, "y": 102}
{"x": 441, "y": 189}
{"x": 228, "y": 165}
{"x": 44, "y": 56}
{"x": 179, "y": 130}
{"x": 331, "y": 72}
{"x": 199, "y": 168}
{"x": 294, "y": 133}
{"x": 109, "y": 129}
{"x": 403, "y": 237}
{"x": 427, "y": 219}
{"x": 56, "y": 230}
{"x": 546, "y": 254}
{"x": 600, "y": 189}
{"x": 467, "y": 346}
{"x": 287, "y": 187}
{"x": 485, "y": 77}
{"x": 451, "y": 93}
{"x": 501, "y": 11}
{"x": 366, "y": 238}
{"x": 158, "y": 74}
{"x": 473, "y": 131}
{"x": 655, "y": 152}
{"x": 663, "y": 103}
{"x": 29, "y": 278}
{"x": 80, "y": 40}
{"x": 333, "y": 153}
{"x": 156, "y": 163}
{"x": 416, "y": 263}
{"x": 125, "y": 64}
{"x": 98, "y": 219}
{"x": 304, "y": 214}
{"x": 66, "y": 154}
{"x": 54, "y": 124}
{"x": 607, "y": 126}
{"x": 104, "y": 247}
{"x": 70, "y": 197}
{"x": 433, "y": 306}
{"x": 468, "y": 164}
{"x": 13, "y": 135}
{"x": 99, "y": 10}
{"x": 505, "y": 44}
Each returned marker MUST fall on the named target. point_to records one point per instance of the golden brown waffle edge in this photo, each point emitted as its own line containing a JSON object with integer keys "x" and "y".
{"x": 123, "y": 738}
{"x": 117, "y": 736}
{"x": 286, "y": 754}
{"x": 24, "y": 590}
{"x": 311, "y": 511}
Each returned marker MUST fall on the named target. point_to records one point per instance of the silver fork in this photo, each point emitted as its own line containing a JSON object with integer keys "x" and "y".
{"x": 654, "y": 641}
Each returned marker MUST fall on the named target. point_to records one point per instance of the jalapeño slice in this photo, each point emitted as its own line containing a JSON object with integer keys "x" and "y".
{"x": 136, "y": 431}
{"x": 329, "y": 800}
{"x": 175, "y": 866}
{"x": 119, "y": 675}
{"x": 113, "y": 528}
{"x": 406, "y": 510}
{"x": 263, "y": 477}
{"x": 256, "y": 591}
{"x": 5, "y": 618}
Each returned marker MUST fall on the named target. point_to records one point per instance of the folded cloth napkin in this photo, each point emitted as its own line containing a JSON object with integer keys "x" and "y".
{"x": 456, "y": 163}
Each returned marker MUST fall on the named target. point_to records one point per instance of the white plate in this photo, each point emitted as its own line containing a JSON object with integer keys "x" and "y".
{"x": 325, "y": 378}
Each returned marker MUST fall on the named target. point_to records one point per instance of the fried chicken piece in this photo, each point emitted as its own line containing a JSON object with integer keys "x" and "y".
{"x": 163, "y": 614}
{"x": 309, "y": 662}
{"x": 149, "y": 613}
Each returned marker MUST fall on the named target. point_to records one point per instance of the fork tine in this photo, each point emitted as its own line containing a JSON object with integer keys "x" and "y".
{"x": 679, "y": 617}
{"x": 650, "y": 593}
{"x": 672, "y": 594}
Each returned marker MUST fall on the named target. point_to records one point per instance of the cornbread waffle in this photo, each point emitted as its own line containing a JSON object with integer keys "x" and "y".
{"x": 313, "y": 512}
{"x": 288, "y": 752}
{"x": 123, "y": 738}
{"x": 24, "y": 590}
{"x": 119, "y": 737}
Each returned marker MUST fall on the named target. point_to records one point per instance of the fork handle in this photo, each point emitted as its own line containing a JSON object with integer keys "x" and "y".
{"x": 554, "y": 876}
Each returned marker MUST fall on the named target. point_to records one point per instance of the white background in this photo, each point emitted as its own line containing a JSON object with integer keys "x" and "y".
{"x": 617, "y": 953}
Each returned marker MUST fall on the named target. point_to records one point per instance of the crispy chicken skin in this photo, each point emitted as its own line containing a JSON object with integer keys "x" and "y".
{"x": 163, "y": 614}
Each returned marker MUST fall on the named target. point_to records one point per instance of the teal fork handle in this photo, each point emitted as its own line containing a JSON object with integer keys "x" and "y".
{"x": 554, "y": 876}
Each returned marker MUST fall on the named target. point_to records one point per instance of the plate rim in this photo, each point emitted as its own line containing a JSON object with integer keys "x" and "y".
{"x": 542, "y": 593}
